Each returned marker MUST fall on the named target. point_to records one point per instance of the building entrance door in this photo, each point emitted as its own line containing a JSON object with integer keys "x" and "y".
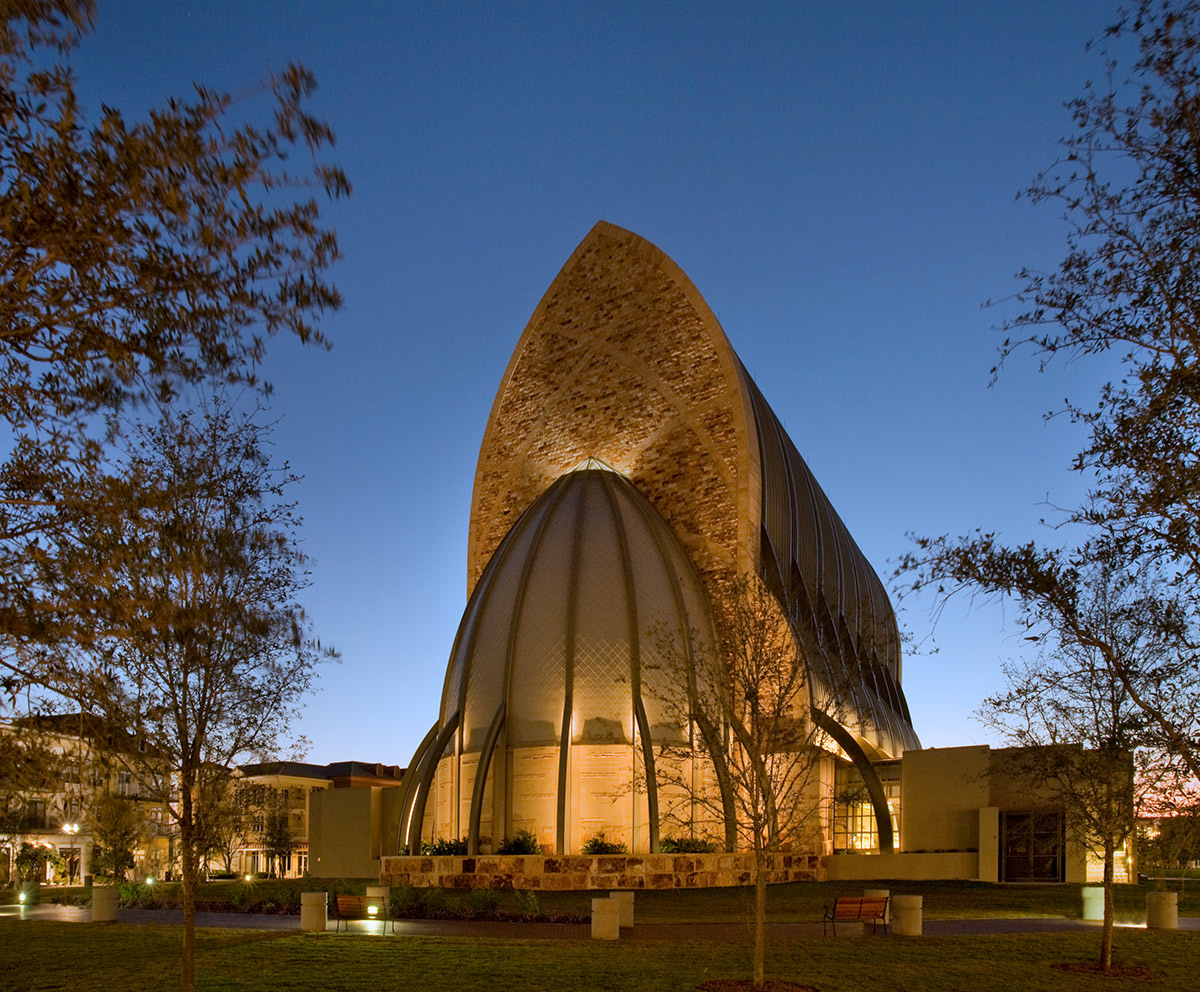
{"x": 71, "y": 856}
{"x": 1031, "y": 847}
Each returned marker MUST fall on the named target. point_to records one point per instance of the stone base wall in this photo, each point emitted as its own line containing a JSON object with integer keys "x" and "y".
{"x": 605, "y": 871}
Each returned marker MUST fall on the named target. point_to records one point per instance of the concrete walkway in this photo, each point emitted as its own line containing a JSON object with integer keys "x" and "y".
{"x": 676, "y": 932}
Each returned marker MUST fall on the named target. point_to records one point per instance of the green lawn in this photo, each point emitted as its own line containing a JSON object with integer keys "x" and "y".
{"x": 38, "y": 956}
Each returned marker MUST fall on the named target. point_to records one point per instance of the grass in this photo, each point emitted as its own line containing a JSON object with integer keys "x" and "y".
{"x": 40, "y": 956}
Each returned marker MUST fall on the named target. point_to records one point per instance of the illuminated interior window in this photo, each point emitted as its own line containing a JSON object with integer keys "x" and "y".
{"x": 1121, "y": 865}
{"x": 854, "y": 826}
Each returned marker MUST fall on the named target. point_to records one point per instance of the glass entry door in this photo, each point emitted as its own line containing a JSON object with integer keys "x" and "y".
{"x": 1031, "y": 847}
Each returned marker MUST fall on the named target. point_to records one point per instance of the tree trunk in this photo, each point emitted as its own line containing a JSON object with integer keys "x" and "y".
{"x": 760, "y": 912}
{"x": 187, "y": 965}
{"x": 1106, "y": 934}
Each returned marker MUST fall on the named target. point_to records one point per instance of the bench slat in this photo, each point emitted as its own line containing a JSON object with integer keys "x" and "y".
{"x": 873, "y": 908}
{"x": 351, "y": 907}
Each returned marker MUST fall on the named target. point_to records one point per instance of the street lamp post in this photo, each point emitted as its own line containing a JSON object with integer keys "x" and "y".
{"x": 71, "y": 829}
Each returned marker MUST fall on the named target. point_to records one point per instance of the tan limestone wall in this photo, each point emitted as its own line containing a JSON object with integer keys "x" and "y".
{"x": 952, "y": 785}
{"x": 913, "y": 867}
{"x": 606, "y": 871}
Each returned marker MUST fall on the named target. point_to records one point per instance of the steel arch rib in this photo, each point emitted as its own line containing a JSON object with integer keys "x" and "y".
{"x": 408, "y": 787}
{"x": 417, "y": 814}
{"x": 883, "y": 812}
{"x": 481, "y": 773}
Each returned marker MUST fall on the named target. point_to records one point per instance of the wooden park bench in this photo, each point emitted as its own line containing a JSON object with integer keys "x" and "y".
{"x": 360, "y": 908}
{"x": 857, "y": 908}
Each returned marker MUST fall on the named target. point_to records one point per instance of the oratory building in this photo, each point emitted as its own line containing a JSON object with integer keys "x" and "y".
{"x": 628, "y": 464}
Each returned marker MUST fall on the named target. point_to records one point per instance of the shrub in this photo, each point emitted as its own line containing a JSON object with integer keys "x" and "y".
{"x": 598, "y": 845}
{"x": 685, "y": 845}
{"x": 435, "y": 904}
{"x": 131, "y": 893}
{"x": 527, "y": 904}
{"x": 406, "y": 902}
{"x": 484, "y": 902}
{"x": 442, "y": 846}
{"x": 111, "y": 863}
{"x": 522, "y": 842}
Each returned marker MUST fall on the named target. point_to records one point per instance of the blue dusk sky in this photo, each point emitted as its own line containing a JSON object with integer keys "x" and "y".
{"x": 837, "y": 179}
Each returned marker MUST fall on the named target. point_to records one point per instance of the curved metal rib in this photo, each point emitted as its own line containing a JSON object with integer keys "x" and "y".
{"x": 481, "y": 773}
{"x": 408, "y": 786}
{"x": 883, "y": 812}
{"x": 417, "y": 815}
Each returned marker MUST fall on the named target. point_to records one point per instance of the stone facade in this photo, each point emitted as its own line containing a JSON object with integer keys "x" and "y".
{"x": 665, "y": 405}
{"x": 605, "y": 871}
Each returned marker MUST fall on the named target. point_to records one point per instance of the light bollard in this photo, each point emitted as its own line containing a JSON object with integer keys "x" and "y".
{"x": 314, "y": 911}
{"x": 606, "y": 919}
{"x": 1162, "y": 910}
{"x": 1093, "y": 902}
{"x": 384, "y": 894}
{"x": 906, "y": 916}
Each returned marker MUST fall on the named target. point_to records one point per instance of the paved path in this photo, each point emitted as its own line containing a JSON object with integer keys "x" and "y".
{"x": 548, "y": 931}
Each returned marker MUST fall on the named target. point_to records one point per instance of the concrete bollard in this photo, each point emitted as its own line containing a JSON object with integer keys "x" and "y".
{"x": 881, "y": 894}
{"x": 625, "y": 901}
{"x": 606, "y": 919}
{"x": 906, "y": 920}
{"x": 1093, "y": 902}
{"x": 1162, "y": 910}
{"x": 104, "y": 903}
{"x": 314, "y": 911}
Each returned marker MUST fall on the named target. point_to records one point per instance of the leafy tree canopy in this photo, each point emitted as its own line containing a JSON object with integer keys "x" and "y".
{"x": 1129, "y": 284}
{"x": 136, "y": 256}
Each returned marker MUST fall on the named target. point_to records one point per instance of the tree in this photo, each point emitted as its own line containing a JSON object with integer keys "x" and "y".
{"x": 29, "y": 771}
{"x": 1129, "y": 283}
{"x": 749, "y": 703}
{"x": 1170, "y": 842}
{"x": 116, "y": 824}
{"x": 223, "y": 812}
{"x": 277, "y": 839}
{"x": 31, "y": 860}
{"x": 1077, "y": 732}
{"x": 138, "y": 258}
{"x": 191, "y": 635}
{"x": 135, "y": 257}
